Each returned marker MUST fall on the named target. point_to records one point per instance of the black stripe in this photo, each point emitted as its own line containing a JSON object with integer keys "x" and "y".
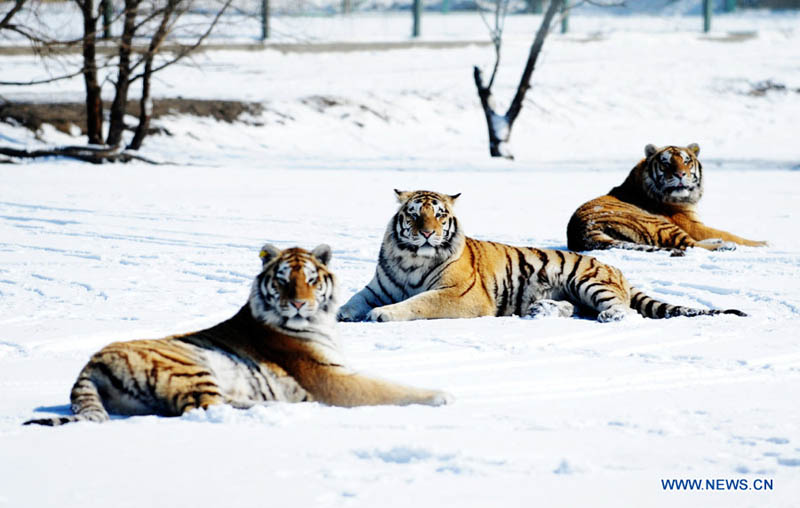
{"x": 257, "y": 379}
{"x": 152, "y": 381}
{"x": 571, "y": 276}
{"x": 648, "y": 310}
{"x": 439, "y": 275}
{"x": 474, "y": 278}
{"x": 206, "y": 383}
{"x": 563, "y": 261}
{"x": 602, "y": 300}
{"x": 526, "y": 270}
{"x": 380, "y": 300}
{"x": 586, "y": 287}
{"x": 383, "y": 289}
{"x": 114, "y": 380}
{"x": 422, "y": 279}
{"x": 595, "y": 297}
{"x": 188, "y": 374}
{"x": 383, "y": 265}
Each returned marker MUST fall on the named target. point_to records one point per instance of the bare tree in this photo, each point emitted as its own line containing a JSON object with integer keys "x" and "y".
{"x": 169, "y": 16}
{"x": 155, "y": 20}
{"x": 151, "y": 20}
{"x": 499, "y": 126}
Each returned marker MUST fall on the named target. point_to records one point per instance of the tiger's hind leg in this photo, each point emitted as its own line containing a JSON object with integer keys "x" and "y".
{"x": 549, "y": 308}
{"x": 600, "y": 288}
{"x": 86, "y": 404}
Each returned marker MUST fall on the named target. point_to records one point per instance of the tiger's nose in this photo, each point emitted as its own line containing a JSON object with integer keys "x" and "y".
{"x": 298, "y": 303}
{"x": 426, "y": 232}
{"x": 680, "y": 174}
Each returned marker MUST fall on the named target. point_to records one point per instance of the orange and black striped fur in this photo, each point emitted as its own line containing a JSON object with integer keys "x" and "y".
{"x": 278, "y": 347}
{"x": 654, "y": 209}
{"x": 427, "y": 268}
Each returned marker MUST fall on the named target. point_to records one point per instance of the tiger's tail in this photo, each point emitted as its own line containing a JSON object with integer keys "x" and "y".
{"x": 87, "y": 405}
{"x": 652, "y": 308}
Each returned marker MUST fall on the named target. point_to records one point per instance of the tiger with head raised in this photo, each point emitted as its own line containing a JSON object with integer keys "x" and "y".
{"x": 428, "y": 268}
{"x": 654, "y": 209}
{"x": 278, "y": 347}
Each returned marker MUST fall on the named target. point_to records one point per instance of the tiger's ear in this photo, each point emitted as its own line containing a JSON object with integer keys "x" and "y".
{"x": 402, "y": 196}
{"x": 650, "y": 149}
{"x": 695, "y": 149}
{"x": 453, "y": 197}
{"x": 268, "y": 253}
{"x": 323, "y": 253}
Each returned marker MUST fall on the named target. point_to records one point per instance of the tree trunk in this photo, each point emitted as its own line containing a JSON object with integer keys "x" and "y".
{"x": 117, "y": 115}
{"x": 499, "y": 126}
{"x": 146, "y": 103}
{"x": 493, "y": 120}
{"x": 145, "y": 107}
{"x": 94, "y": 103}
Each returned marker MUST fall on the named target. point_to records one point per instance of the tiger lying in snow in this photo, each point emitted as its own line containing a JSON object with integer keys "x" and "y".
{"x": 278, "y": 347}
{"x": 654, "y": 209}
{"x": 427, "y": 268}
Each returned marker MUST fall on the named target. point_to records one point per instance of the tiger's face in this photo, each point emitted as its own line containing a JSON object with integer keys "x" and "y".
{"x": 673, "y": 174}
{"x": 425, "y": 223}
{"x": 294, "y": 289}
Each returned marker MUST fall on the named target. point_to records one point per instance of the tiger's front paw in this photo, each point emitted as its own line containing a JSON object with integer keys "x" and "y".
{"x": 380, "y": 315}
{"x": 441, "y": 399}
{"x": 349, "y": 314}
{"x": 716, "y": 244}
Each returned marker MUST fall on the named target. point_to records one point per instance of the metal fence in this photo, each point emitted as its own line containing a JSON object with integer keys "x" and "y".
{"x": 309, "y": 21}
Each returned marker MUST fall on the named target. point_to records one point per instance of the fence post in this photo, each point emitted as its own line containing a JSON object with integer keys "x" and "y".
{"x": 730, "y": 5}
{"x": 108, "y": 13}
{"x": 346, "y": 7}
{"x": 706, "y": 16}
{"x": 445, "y": 6}
{"x": 535, "y": 6}
{"x": 264, "y": 20}
{"x": 417, "y": 12}
{"x": 564, "y": 16}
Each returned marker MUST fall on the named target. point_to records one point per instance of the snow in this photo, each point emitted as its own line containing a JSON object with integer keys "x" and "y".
{"x": 561, "y": 412}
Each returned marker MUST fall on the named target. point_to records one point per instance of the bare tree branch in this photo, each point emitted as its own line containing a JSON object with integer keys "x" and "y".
{"x": 95, "y": 155}
{"x": 185, "y": 50}
{"x": 154, "y": 18}
{"x": 42, "y": 81}
{"x": 533, "y": 55}
{"x": 145, "y": 103}
{"x": 10, "y": 14}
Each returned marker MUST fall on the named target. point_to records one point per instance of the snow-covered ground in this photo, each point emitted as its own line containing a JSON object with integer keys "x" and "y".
{"x": 557, "y": 412}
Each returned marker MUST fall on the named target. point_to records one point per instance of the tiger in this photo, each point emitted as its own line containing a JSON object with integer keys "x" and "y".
{"x": 278, "y": 347}
{"x": 428, "y": 268}
{"x": 653, "y": 210}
